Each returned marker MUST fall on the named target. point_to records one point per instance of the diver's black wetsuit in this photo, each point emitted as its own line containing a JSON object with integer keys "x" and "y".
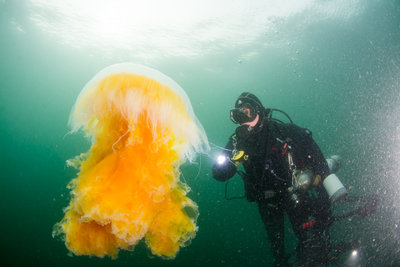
{"x": 267, "y": 179}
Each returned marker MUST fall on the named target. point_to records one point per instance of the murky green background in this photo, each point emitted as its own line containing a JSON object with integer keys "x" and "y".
{"x": 334, "y": 66}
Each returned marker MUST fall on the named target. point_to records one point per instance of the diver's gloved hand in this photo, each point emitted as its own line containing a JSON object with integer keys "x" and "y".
{"x": 223, "y": 168}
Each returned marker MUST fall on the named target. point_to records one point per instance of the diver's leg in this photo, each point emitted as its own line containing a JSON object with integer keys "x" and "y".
{"x": 273, "y": 219}
{"x": 313, "y": 246}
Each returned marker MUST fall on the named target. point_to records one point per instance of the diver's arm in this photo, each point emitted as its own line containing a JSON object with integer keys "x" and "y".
{"x": 313, "y": 156}
{"x": 319, "y": 166}
{"x": 314, "y": 160}
{"x": 223, "y": 169}
{"x": 318, "y": 161}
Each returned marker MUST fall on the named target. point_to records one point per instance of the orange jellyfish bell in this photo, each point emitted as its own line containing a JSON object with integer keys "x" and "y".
{"x": 142, "y": 128}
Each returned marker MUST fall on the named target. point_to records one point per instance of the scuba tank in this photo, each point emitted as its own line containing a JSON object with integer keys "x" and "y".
{"x": 332, "y": 184}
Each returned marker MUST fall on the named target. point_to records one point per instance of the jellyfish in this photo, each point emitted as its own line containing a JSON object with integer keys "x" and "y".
{"x": 128, "y": 189}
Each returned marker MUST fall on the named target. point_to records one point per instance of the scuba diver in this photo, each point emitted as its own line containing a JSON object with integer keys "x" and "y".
{"x": 284, "y": 172}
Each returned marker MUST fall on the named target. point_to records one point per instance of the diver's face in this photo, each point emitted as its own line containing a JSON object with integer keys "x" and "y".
{"x": 246, "y": 111}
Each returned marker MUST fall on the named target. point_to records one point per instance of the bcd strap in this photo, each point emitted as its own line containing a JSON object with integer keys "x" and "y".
{"x": 282, "y": 146}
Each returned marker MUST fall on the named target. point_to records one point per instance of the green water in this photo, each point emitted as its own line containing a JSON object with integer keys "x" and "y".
{"x": 334, "y": 66}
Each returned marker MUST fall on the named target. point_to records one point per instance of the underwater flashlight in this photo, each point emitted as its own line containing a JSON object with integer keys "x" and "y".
{"x": 221, "y": 159}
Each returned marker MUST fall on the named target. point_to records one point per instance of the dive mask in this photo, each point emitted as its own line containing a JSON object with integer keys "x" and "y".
{"x": 243, "y": 114}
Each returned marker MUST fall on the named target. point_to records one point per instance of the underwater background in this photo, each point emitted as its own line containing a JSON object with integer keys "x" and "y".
{"x": 333, "y": 66}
